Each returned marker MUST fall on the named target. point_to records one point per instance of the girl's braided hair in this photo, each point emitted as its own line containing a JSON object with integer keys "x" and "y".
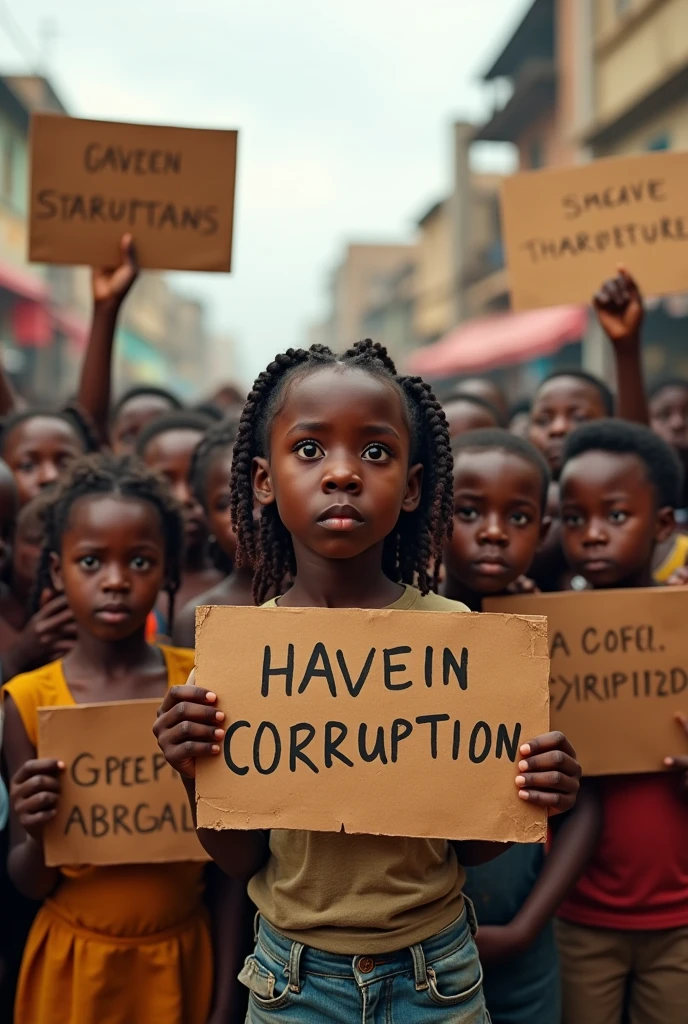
{"x": 123, "y": 476}
{"x": 413, "y": 551}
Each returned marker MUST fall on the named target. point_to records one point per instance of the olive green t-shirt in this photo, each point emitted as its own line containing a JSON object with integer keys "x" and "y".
{"x": 351, "y": 894}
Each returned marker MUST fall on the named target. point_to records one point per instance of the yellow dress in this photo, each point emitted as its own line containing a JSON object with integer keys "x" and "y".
{"x": 128, "y": 944}
{"x": 674, "y": 560}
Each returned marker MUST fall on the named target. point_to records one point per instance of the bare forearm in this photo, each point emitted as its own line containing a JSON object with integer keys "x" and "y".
{"x": 96, "y": 373}
{"x": 574, "y": 843}
{"x": 27, "y": 869}
{"x": 632, "y": 402}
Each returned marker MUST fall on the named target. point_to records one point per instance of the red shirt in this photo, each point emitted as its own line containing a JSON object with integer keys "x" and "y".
{"x": 638, "y": 876}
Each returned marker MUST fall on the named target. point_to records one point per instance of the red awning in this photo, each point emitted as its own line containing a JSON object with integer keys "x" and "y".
{"x": 23, "y": 282}
{"x": 500, "y": 340}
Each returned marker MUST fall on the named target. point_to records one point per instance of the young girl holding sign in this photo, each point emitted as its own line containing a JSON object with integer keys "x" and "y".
{"x": 126, "y": 943}
{"x": 352, "y": 468}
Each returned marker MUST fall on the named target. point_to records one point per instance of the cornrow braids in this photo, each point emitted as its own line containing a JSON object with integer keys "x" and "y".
{"x": 412, "y": 552}
{"x": 119, "y": 475}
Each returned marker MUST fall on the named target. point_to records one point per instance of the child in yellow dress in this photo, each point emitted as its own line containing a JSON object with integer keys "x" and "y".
{"x": 125, "y": 944}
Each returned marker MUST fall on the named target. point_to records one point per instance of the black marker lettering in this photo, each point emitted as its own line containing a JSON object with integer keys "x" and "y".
{"x": 474, "y": 756}
{"x": 139, "y": 810}
{"x": 432, "y": 721}
{"x": 456, "y": 741}
{"x": 268, "y": 672}
{"x": 120, "y": 814}
{"x": 507, "y": 742}
{"x": 46, "y": 199}
{"x": 229, "y": 761}
{"x": 296, "y": 746}
{"x": 401, "y": 730}
{"x": 75, "y": 818}
{"x": 392, "y": 652}
{"x": 355, "y": 688}
{"x": 332, "y": 744}
{"x": 167, "y": 818}
{"x": 379, "y": 747}
{"x": 460, "y": 669}
{"x": 256, "y": 748}
{"x": 91, "y": 775}
{"x": 312, "y": 672}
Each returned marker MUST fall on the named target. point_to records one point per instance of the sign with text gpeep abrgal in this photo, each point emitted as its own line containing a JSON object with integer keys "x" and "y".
{"x": 94, "y": 181}
{"x": 120, "y": 802}
{"x": 567, "y": 229}
{"x": 383, "y": 722}
{"x": 619, "y": 673}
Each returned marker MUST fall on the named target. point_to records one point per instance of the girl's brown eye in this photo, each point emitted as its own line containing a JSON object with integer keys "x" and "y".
{"x": 376, "y": 453}
{"x": 309, "y": 450}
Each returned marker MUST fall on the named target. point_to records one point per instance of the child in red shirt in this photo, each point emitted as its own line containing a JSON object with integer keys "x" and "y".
{"x": 623, "y": 930}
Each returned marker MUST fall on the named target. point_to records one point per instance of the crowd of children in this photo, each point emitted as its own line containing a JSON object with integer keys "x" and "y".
{"x": 338, "y": 482}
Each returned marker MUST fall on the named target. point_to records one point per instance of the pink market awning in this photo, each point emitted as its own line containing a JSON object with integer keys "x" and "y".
{"x": 500, "y": 340}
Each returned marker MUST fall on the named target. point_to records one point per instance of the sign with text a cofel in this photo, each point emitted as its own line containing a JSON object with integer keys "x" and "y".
{"x": 567, "y": 229}
{"x": 619, "y": 673}
{"x": 92, "y": 182}
{"x": 387, "y": 722}
{"x": 120, "y": 802}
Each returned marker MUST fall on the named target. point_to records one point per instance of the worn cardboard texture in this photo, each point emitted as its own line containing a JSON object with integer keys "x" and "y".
{"x": 619, "y": 673}
{"x": 566, "y": 229}
{"x": 120, "y": 802}
{"x": 93, "y": 181}
{"x": 416, "y": 786}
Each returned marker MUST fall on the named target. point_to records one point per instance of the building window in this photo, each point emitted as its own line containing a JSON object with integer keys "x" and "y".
{"x": 658, "y": 142}
{"x": 535, "y": 154}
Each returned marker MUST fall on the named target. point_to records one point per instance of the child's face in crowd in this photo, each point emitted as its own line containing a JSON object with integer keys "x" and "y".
{"x": 132, "y": 418}
{"x": 37, "y": 450}
{"x": 669, "y": 417}
{"x": 170, "y": 453}
{"x": 339, "y": 463}
{"x": 463, "y": 416}
{"x": 610, "y": 519}
{"x": 483, "y": 388}
{"x": 497, "y": 519}
{"x": 560, "y": 406}
{"x": 112, "y": 564}
{"x": 218, "y": 500}
{"x": 8, "y": 513}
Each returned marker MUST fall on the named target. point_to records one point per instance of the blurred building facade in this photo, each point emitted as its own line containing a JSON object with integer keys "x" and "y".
{"x": 45, "y": 310}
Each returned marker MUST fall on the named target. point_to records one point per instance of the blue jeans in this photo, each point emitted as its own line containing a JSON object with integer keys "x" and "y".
{"x": 439, "y": 980}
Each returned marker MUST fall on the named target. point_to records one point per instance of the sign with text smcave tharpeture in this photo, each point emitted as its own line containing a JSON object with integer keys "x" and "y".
{"x": 567, "y": 229}
{"x": 120, "y": 802}
{"x": 94, "y": 181}
{"x": 385, "y": 722}
{"x": 619, "y": 673}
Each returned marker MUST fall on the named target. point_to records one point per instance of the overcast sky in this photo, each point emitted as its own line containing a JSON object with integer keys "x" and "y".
{"x": 343, "y": 109}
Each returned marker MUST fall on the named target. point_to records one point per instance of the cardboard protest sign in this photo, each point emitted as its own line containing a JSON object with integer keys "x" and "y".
{"x": 619, "y": 673}
{"x": 120, "y": 802}
{"x": 383, "y": 722}
{"x": 94, "y": 181}
{"x": 565, "y": 230}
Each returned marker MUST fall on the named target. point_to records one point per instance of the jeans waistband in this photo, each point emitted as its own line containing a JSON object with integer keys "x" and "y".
{"x": 299, "y": 959}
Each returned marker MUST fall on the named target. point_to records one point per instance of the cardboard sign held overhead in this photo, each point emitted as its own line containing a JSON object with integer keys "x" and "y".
{"x": 382, "y": 722}
{"x": 94, "y": 181}
{"x": 120, "y": 802}
{"x": 566, "y": 229}
{"x": 619, "y": 673}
